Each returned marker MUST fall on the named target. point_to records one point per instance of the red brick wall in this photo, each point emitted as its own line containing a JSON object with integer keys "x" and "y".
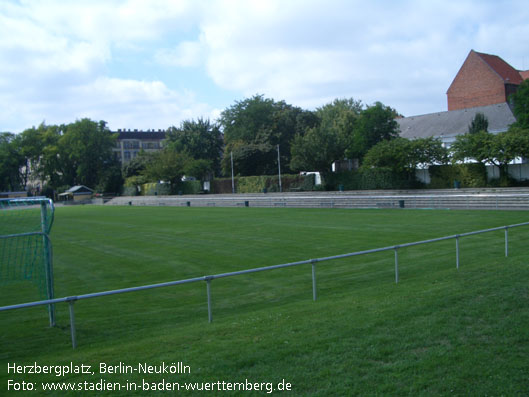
{"x": 476, "y": 84}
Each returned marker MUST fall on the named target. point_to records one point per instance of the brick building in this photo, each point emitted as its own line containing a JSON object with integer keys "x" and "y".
{"x": 483, "y": 80}
{"x": 482, "y": 85}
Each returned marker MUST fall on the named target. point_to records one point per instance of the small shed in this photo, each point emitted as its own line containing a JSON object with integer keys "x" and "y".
{"x": 77, "y": 193}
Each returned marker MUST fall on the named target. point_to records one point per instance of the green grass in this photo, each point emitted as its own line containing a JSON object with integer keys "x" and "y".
{"x": 438, "y": 332}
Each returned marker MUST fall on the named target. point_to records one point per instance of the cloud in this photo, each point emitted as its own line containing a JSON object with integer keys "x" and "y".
{"x": 137, "y": 104}
{"x": 122, "y": 103}
{"x": 107, "y": 21}
{"x": 56, "y": 58}
{"x": 307, "y": 52}
{"x": 152, "y": 63}
{"x": 185, "y": 54}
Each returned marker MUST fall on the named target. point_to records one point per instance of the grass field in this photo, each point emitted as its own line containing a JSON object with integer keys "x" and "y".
{"x": 439, "y": 331}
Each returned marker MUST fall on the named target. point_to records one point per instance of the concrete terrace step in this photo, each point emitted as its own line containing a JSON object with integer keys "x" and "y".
{"x": 511, "y": 198}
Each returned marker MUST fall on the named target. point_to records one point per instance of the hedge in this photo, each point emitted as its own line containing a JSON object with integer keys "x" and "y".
{"x": 369, "y": 179}
{"x": 264, "y": 183}
{"x": 155, "y": 189}
{"x": 164, "y": 189}
{"x": 189, "y": 187}
{"x": 130, "y": 191}
{"x": 468, "y": 175}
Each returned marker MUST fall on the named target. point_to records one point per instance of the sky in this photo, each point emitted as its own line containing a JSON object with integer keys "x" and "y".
{"x": 151, "y": 64}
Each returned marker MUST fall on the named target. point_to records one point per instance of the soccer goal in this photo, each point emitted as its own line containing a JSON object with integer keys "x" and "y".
{"x": 26, "y": 261}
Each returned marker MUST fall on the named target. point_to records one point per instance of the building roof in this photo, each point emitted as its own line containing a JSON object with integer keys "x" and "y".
{"x": 79, "y": 189}
{"x": 141, "y": 135}
{"x": 502, "y": 68}
{"x": 524, "y": 74}
{"x": 455, "y": 122}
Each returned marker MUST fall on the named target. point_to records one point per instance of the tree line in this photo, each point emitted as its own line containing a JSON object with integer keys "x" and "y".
{"x": 60, "y": 156}
{"x": 250, "y": 137}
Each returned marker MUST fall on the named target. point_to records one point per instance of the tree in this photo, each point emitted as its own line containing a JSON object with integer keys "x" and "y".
{"x": 135, "y": 166}
{"x": 404, "y": 156}
{"x": 66, "y": 155}
{"x": 428, "y": 151}
{"x": 327, "y": 141}
{"x": 488, "y": 148}
{"x": 260, "y": 124}
{"x": 479, "y": 123}
{"x": 477, "y": 146}
{"x": 88, "y": 146}
{"x": 170, "y": 166}
{"x": 316, "y": 150}
{"x": 391, "y": 154}
{"x": 44, "y": 161}
{"x": 55, "y": 167}
{"x": 198, "y": 168}
{"x": 305, "y": 120}
{"x": 79, "y": 153}
{"x": 110, "y": 179}
{"x": 520, "y": 101}
{"x": 165, "y": 165}
{"x": 508, "y": 146}
{"x": 376, "y": 123}
{"x": 32, "y": 147}
{"x": 250, "y": 159}
{"x": 11, "y": 161}
{"x": 200, "y": 139}
{"x": 243, "y": 121}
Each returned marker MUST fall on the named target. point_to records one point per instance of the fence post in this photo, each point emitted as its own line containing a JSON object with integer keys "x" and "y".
{"x": 457, "y": 252}
{"x": 506, "y": 241}
{"x": 313, "y": 279}
{"x": 72, "y": 322}
{"x": 396, "y": 264}
{"x": 208, "y": 287}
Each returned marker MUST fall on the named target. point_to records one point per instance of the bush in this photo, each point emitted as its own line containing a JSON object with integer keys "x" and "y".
{"x": 504, "y": 181}
{"x": 135, "y": 180}
{"x": 130, "y": 191}
{"x": 308, "y": 184}
{"x": 189, "y": 187}
{"x": 253, "y": 184}
{"x": 155, "y": 189}
{"x": 469, "y": 175}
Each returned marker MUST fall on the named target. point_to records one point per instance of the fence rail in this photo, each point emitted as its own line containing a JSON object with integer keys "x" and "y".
{"x": 72, "y": 299}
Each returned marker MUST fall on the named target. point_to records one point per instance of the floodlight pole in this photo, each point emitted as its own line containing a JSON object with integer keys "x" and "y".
{"x": 279, "y": 168}
{"x": 232, "y": 180}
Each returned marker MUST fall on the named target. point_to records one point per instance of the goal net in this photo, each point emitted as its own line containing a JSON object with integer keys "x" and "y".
{"x": 26, "y": 269}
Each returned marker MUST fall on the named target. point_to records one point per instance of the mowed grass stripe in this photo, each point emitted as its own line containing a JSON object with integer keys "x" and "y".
{"x": 438, "y": 332}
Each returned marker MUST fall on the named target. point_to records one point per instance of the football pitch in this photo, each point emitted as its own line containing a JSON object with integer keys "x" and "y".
{"x": 439, "y": 331}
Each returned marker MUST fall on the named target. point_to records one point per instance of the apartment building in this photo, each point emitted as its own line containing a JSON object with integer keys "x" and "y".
{"x": 131, "y": 142}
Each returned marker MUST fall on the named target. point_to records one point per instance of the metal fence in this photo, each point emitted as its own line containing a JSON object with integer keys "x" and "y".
{"x": 72, "y": 299}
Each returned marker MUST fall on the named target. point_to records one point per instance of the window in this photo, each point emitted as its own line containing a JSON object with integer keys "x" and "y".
{"x": 150, "y": 145}
{"x": 131, "y": 145}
